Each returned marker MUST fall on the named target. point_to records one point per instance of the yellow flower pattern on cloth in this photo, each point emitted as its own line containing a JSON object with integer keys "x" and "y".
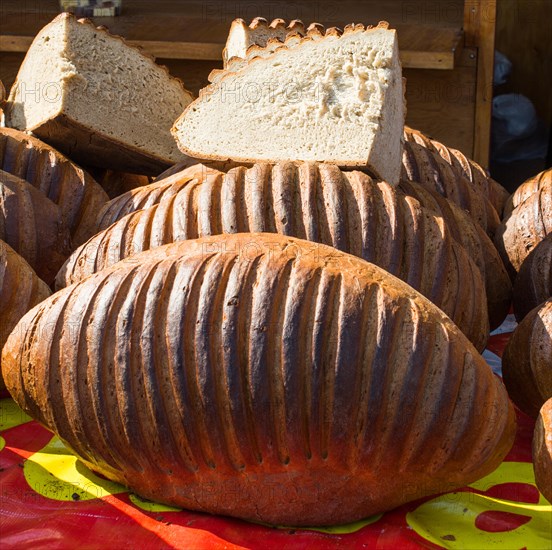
{"x": 454, "y": 520}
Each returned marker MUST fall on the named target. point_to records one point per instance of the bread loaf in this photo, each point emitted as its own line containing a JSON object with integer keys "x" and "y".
{"x": 462, "y": 166}
{"x": 320, "y": 203}
{"x": 476, "y": 242}
{"x": 542, "y": 451}
{"x": 525, "y": 227}
{"x": 312, "y": 386}
{"x": 258, "y": 33}
{"x": 71, "y": 188}
{"x": 32, "y": 225}
{"x": 534, "y": 281}
{"x": 428, "y": 168}
{"x": 527, "y": 360}
{"x": 327, "y": 105}
{"x": 526, "y": 189}
{"x": 20, "y": 290}
{"x": 97, "y": 99}
{"x": 140, "y": 199}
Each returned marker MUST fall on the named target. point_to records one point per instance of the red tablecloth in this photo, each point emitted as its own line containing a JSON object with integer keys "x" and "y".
{"x": 50, "y": 500}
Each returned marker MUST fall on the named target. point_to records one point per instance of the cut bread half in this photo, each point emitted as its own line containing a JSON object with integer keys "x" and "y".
{"x": 336, "y": 98}
{"x": 97, "y": 99}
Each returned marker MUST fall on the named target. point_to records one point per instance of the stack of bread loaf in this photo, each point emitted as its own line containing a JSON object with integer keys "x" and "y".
{"x": 299, "y": 301}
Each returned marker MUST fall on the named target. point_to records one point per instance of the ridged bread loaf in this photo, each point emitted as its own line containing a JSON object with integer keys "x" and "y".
{"x": 527, "y": 360}
{"x": 427, "y": 167}
{"x": 77, "y": 194}
{"x": 525, "y": 228}
{"x": 33, "y": 226}
{"x": 542, "y": 451}
{"x": 534, "y": 280}
{"x": 463, "y": 167}
{"x": 477, "y": 243}
{"x": 20, "y": 291}
{"x": 526, "y": 189}
{"x": 321, "y": 203}
{"x": 314, "y": 387}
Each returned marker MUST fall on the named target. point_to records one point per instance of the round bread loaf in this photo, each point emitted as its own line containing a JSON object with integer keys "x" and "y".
{"x": 33, "y": 226}
{"x": 463, "y": 167}
{"x": 542, "y": 451}
{"x": 428, "y": 168}
{"x": 534, "y": 281}
{"x": 527, "y": 360}
{"x": 71, "y": 188}
{"x": 20, "y": 290}
{"x": 263, "y": 377}
{"x": 526, "y": 189}
{"x": 321, "y": 203}
{"x": 525, "y": 228}
{"x": 477, "y": 243}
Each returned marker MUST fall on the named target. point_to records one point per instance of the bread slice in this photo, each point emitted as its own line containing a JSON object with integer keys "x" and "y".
{"x": 337, "y": 98}
{"x": 97, "y": 99}
{"x": 241, "y": 36}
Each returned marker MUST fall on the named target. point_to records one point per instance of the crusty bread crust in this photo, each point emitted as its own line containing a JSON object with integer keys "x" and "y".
{"x": 77, "y": 194}
{"x": 20, "y": 290}
{"x": 301, "y": 385}
{"x": 542, "y": 451}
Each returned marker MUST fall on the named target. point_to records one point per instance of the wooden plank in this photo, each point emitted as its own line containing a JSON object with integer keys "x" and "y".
{"x": 480, "y": 21}
{"x": 427, "y": 48}
{"x": 441, "y": 103}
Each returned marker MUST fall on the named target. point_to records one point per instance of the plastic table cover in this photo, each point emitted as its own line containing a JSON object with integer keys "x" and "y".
{"x": 50, "y": 500}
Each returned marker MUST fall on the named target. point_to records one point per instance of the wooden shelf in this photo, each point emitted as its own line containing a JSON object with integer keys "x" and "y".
{"x": 185, "y": 33}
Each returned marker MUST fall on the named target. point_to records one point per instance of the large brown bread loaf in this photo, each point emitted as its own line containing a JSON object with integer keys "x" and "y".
{"x": 347, "y": 210}
{"x": 64, "y": 183}
{"x": 542, "y": 451}
{"x": 477, "y": 243}
{"x": 464, "y": 167}
{"x": 139, "y": 199}
{"x": 534, "y": 281}
{"x": 525, "y": 228}
{"x": 428, "y": 168}
{"x": 20, "y": 290}
{"x": 527, "y": 361}
{"x": 32, "y": 225}
{"x": 311, "y": 385}
{"x": 526, "y": 189}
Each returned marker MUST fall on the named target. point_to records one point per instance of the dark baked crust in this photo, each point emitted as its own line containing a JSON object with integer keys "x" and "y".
{"x": 348, "y": 210}
{"x": 527, "y": 361}
{"x": 101, "y": 151}
{"x": 542, "y": 451}
{"x": 427, "y": 167}
{"x": 262, "y": 377}
{"x": 464, "y": 167}
{"x": 64, "y": 183}
{"x": 526, "y": 189}
{"x": 20, "y": 290}
{"x": 479, "y": 246}
{"x": 525, "y": 228}
{"x": 33, "y": 226}
{"x": 534, "y": 281}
